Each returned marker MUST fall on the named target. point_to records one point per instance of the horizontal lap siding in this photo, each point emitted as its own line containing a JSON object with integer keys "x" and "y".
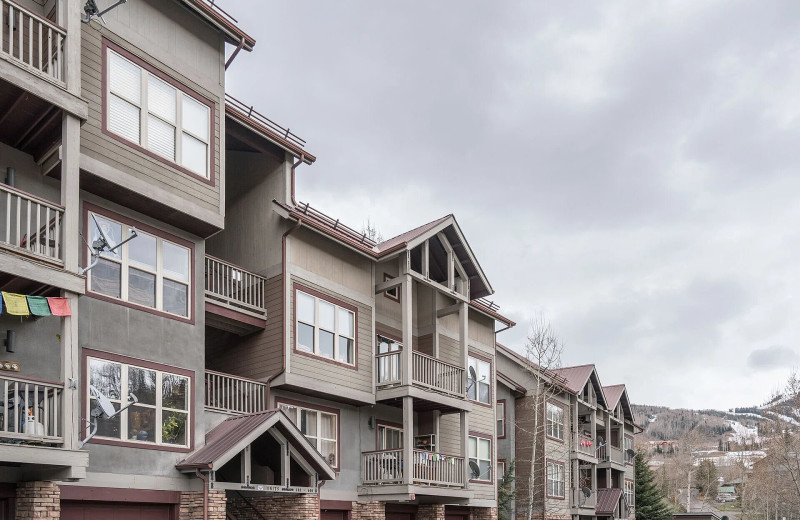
{"x": 317, "y": 368}
{"x": 102, "y": 147}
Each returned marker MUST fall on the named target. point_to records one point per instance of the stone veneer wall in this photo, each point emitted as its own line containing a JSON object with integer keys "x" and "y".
{"x": 372, "y": 510}
{"x": 430, "y": 512}
{"x": 38, "y": 500}
{"x": 483, "y": 513}
{"x": 285, "y": 507}
{"x": 192, "y": 505}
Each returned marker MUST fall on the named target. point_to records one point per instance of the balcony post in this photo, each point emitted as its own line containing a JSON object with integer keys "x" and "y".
{"x": 464, "y": 416}
{"x": 69, "y": 17}
{"x": 463, "y": 336}
{"x": 408, "y": 439}
{"x": 573, "y": 410}
{"x": 406, "y": 362}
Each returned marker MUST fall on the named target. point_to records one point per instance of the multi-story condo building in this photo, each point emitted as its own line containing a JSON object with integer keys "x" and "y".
{"x": 584, "y": 440}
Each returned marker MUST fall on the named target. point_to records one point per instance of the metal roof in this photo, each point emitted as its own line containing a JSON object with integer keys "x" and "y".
{"x": 607, "y": 500}
{"x": 613, "y": 393}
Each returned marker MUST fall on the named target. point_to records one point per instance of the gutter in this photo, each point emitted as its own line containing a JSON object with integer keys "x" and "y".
{"x": 297, "y": 163}
{"x": 204, "y": 478}
{"x": 233, "y": 56}
{"x": 285, "y": 285}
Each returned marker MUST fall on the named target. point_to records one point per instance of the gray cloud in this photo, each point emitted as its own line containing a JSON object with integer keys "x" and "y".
{"x": 773, "y": 357}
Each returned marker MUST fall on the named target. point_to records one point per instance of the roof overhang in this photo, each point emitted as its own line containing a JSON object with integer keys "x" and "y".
{"x": 222, "y": 21}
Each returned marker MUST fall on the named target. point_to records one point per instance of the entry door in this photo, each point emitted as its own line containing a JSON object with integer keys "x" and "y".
{"x": 6, "y": 508}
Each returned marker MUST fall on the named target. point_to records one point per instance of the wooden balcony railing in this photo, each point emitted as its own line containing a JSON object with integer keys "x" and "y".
{"x": 32, "y": 41}
{"x": 232, "y": 394}
{"x": 581, "y": 501}
{"x": 30, "y": 224}
{"x": 30, "y": 411}
{"x": 387, "y": 467}
{"x": 437, "y": 375}
{"x": 610, "y": 453}
{"x": 586, "y": 445}
{"x": 230, "y": 286}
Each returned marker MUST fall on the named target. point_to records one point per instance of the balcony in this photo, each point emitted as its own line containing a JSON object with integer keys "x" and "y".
{"x": 581, "y": 504}
{"x": 586, "y": 446}
{"x": 30, "y": 225}
{"x": 231, "y": 394}
{"x": 431, "y": 379}
{"x": 610, "y": 455}
{"x": 32, "y": 42}
{"x": 235, "y": 297}
{"x": 431, "y": 469}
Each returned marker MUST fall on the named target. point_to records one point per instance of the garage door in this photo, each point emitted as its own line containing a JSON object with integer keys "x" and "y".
{"x": 328, "y": 514}
{"x": 115, "y": 511}
{"x": 399, "y": 516}
{"x": 455, "y": 516}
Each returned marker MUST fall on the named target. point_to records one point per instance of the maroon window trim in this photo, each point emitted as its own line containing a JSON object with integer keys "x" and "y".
{"x": 505, "y": 410}
{"x": 632, "y": 481}
{"x": 330, "y": 299}
{"x": 211, "y": 179}
{"x": 319, "y": 408}
{"x": 491, "y": 383}
{"x": 564, "y": 471}
{"x": 380, "y": 422}
{"x": 491, "y": 451}
{"x": 87, "y": 207}
{"x": 396, "y": 289}
{"x": 564, "y": 422}
{"x": 119, "y": 358}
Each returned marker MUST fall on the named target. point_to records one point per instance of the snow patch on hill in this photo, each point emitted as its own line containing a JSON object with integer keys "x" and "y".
{"x": 742, "y": 433}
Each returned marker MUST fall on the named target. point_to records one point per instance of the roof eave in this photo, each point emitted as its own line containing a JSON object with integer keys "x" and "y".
{"x": 233, "y": 34}
{"x": 270, "y": 136}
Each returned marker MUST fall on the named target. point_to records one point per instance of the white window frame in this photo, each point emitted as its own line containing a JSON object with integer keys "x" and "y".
{"x": 501, "y": 418}
{"x": 474, "y": 456}
{"x": 159, "y": 408}
{"x": 630, "y": 492}
{"x": 122, "y": 258}
{"x": 555, "y": 428}
{"x": 317, "y": 441}
{"x": 382, "y": 430}
{"x": 145, "y": 110}
{"x": 501, "y": 470}
{"x": 483, "y": 379}
{"x": 556, "y": 480}
{"x": 627, "y": 444}
{"x": 338, "y": 331}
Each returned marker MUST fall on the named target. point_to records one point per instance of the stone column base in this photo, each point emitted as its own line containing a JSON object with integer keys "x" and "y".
{"x": 38, "y": 500}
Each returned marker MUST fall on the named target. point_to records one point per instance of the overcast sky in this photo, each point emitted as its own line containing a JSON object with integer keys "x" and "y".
{"x": 627, "y": 169}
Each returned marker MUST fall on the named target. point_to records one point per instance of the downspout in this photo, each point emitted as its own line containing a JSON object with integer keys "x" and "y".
{"x": 205, "y": 491}
{"x": 302, "y": 159}
{"x": 233, "y": 56}
{"x": 283, "y": 321}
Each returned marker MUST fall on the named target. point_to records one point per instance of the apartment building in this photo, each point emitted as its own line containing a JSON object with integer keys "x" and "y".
{"x": 584, "y": 440}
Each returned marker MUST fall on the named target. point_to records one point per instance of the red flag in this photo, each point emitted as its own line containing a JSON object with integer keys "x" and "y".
{"x": 59, "y": 306}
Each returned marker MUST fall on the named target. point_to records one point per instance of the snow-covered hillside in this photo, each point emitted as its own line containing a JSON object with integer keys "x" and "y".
{"x": 742, "y": 433}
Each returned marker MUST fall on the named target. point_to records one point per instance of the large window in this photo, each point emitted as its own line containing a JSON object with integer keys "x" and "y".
{"x": 555, "y": 479}
{"x": 149, "y": 271}
{"x": 320, "y": 428}
{"x": 153, "y": 113}
{"x": 480, "y": 453}
{"x": 627, "y": 448}
{"x": 501, "y": 419}
{"x": 162, "y": 414}
{"x": 479, "y": 380}
{"x": 629, "y": 492}
{"x": 555, "y": 421}
{"x": 389, "y": 437}
{"x": 325, "y": 329}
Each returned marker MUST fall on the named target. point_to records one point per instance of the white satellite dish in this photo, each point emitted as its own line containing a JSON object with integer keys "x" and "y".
{"x": 91, "y": 10}
{"x": 104, "y": 410}
{"x": 105, "y": 244}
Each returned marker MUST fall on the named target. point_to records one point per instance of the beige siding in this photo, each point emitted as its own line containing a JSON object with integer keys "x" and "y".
{"x": 332, "y": 263}
{"x": 326, "y": 371}
{"x": 96, "y": 144}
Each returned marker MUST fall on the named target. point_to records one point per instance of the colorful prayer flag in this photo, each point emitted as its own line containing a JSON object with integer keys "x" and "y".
{"x": 39, "y": 306}
{"x": 16, "y": 304}
{"x": 59, "y": 306}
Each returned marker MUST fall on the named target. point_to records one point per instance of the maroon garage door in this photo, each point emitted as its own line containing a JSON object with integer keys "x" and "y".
{"x": 115, "y": 511}
{"x": 328, "y": 514}
{"x": 399, "y": 516}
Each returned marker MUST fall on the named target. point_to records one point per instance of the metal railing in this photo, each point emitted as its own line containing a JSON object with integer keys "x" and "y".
{"x": 586, "y": 445}
{"x": 32, "y": 41}
{"x": 388, "y": 367}
{"x": 231, "y": 286}
{"x": 266, "y": 123}
{"x": 30, "y": 224}
{"x": 610, "y": 453}
{"x": 581, "y": 501}
{"x": 386, "y": 467}
{"x": 437, "y": 375}
{"x": 233, "y": 394}
{"x": 30, "y": 411}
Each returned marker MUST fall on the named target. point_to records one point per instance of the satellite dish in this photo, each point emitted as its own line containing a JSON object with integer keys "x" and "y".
{"x": 105, "y": 244}
{"x": 104, "y": 410}
{"x": 587, "y": 492}
{"x": 630, "y": 452}
{"x": 472, "y": 374}
{"x": 600, "y": 441}
{"x": 92, "y": 10}
{"x": 475, "y": 469}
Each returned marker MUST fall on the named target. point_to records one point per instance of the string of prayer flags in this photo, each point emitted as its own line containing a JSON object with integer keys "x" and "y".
{"x": 59, "y": 306}
{"x": 39, "y": 306}
{"x": 16, "y": 304}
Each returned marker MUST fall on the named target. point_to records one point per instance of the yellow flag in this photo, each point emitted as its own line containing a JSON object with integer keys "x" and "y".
{"x": 16, "y": 304}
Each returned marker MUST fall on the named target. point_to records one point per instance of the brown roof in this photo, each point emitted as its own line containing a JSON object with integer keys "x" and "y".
{"x": 613, "y": 393}
{"x": 607, "y": 500}
{"x": 404, "y": 238}
{"x": 213, "y": 14}
{"x": 230, "y": 433}
{"x": 575, "y": 377}
{"x": 504, "y": 379}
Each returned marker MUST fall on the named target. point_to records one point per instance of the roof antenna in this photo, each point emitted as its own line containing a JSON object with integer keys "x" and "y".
{"x": 104, "y": 410}
{"x": 92, "y": 10}
{"x": 104, "y": 243}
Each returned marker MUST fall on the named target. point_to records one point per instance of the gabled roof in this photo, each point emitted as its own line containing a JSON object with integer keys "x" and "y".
{"x": 510, "y": 383}
{"x": 214, "y": 15}
{"x": 614, "y": 394}
{"x": 234, "y": 434}
{"x": 576, "y": 378}
{"x": 405, "y": 238}
{"x": 607, "y": 500}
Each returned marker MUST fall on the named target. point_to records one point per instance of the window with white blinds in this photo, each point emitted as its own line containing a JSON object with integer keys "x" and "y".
{"x": 154, "y": 114}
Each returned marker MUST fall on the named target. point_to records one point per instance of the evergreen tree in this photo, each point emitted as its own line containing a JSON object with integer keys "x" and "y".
{"x": 506, "y": 494}
{"x": 650, "y": 502}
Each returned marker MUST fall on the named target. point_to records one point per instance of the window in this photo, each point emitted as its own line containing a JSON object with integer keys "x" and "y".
{"x": 394, "y": 292}
{"x": 319, "y": 427}
{"x": 161, "y": 415}
{"x": 501, "y": 418}
{"x": 479, "y": 389}
{"x": 555, "y": 479}
{"x": 627, "y": 449}
{"x": 480, "y": 452}
{"x": 389, "y": 365}
{"x": 144, "y": 108}
{"x": 501, "y": 470}
{"x": 325, "y": 329}
{"x": 149, "y": 271}
{"x": 629, "y": 492}
{"x": 555, "y": 421}
{"x": 390, "y": 437}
